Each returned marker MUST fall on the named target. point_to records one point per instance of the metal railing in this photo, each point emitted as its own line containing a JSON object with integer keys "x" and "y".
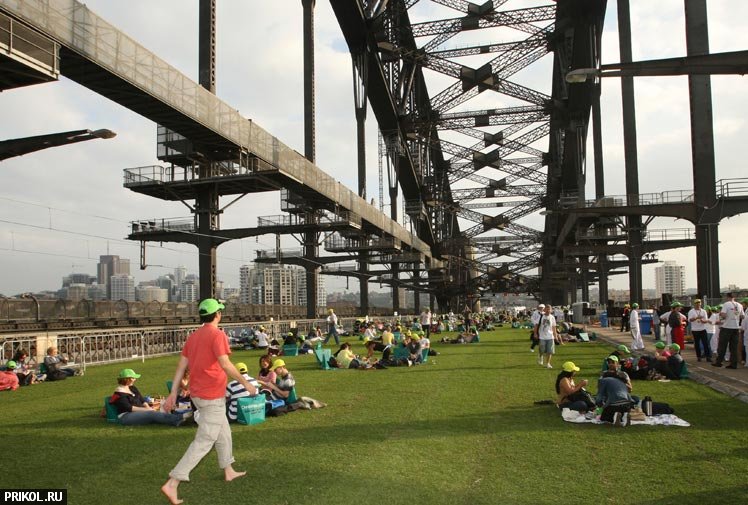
{"x": 730, "y": 188}
{"x": 186, "y": 224}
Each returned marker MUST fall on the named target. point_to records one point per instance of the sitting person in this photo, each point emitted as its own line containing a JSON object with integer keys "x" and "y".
{"x": 413, "y": 344}
{"x": 614, "y": 398}
{"x": 8, "y": 377}
{"x": 290, "y": 339}
{"x": 262, "y": 339}
{"x": 345, "y": 357}
{"x": 619, "y": 353}
{"x": 54, "y": 362}
{"x": 266, "y": 374}
{"x": 570, "y": 394}
{"x": 25, "y": 374}
{"x": 670, "y": 362}
{"x": 132, "y": 408}
{"x": 614, "y": 370}
{"x": 284, "y": 387}
{"x": 235, "y": 390}
{"x": 274, "y": 349}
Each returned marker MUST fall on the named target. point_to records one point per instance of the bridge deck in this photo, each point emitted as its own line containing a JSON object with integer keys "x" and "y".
{"x": 97, "y": 55}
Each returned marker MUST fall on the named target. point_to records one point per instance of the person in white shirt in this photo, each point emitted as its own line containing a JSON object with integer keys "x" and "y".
{"x": 262, "y": 339}
{"x": 535, "y": 319}
{"x": 547, "y": 334}
{"x": 730, "y": 315}
{"x": 332, "y": 326}
{"x": 698, "y": 318}
{"x": 637, "y": 344}
{"x": 664, "y": 318}
{"x": 716, "y": 324}
{"x": 426, "y": 321}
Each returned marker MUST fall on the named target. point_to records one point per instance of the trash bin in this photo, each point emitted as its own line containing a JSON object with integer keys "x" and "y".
{"x": 645, "y": 325}
{"x": 603, "y": 319}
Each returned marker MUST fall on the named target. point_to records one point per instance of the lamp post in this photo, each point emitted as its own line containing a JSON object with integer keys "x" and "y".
{"x": 18, "y": 147}
{"x": 36, "y": 301}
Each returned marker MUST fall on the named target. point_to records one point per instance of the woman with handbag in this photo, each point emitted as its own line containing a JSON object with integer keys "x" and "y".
{"x": 571, "y": 395}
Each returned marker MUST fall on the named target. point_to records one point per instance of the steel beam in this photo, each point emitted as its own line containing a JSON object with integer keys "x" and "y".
{"x": 702, "y": 151}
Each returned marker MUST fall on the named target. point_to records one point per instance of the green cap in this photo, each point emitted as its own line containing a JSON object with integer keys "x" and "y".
{"x": 623, "y": 348}
{"x": 569, "y": 366}
{"x": 210, "y": 306}
{"x": 744, "y": 300}
{"x": 128, "y": 373}
{"x": 660, "y": 345}
{"x": 11, "y": 365}
{"x": 613, "y": 357}
{"x": 675, "y": 347}
{"x": 635, "y": 305}
{"x": 675, "y": 304}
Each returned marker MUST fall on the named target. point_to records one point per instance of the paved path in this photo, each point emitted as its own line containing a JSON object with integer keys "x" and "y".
{"x": 730, "y": 382}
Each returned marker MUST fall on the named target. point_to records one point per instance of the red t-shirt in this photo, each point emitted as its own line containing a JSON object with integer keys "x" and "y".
{"x": 202, "y": 349}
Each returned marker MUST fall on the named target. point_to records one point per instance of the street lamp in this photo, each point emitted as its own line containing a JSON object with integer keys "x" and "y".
{"x": 36, "y": 301}
{"x": 18, "y": 147}
{"x": 727, "y": 63}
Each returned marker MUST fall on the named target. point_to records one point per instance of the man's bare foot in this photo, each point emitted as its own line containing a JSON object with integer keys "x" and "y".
{"x": 170, "y": 491}
{"x": 231, "y": 474}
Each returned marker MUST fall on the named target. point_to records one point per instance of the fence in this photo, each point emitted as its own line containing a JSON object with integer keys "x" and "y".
{"x": 92, "y": 347}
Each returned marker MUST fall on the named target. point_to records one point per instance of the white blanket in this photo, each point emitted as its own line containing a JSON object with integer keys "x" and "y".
{"x": 572, "y": 416}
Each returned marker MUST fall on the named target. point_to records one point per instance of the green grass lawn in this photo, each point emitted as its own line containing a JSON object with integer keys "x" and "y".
{"x": 460, "y": 429}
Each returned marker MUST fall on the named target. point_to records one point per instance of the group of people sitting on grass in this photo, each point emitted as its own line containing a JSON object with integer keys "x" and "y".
{"x": 19, "y": 372}
{"x": 274, "y": 381}
{"x": 614, "y": 401}
{"x": 398, "y": 348}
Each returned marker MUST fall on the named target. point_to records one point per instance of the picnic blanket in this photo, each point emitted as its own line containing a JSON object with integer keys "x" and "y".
{"x": 572, "y": 416}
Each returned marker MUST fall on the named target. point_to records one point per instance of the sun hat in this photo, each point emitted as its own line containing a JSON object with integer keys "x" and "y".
{"x": 128, "y": 373}
{"x": 569, "y": 366}
{"x": 11, "y": 365}
{"x": 675, "y": 347}
{"x": 277, "y": 364}
{"x": 660, "y": 345}
{"x": 242, "y": 367}
{"x": 210, "y": 306}
{"x": 623, "y": 348}
{"x": 612, "y": 357}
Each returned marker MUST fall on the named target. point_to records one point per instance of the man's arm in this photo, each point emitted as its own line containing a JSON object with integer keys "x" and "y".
{"x": 171, "y": 400}
{"x": 232, "y": 372}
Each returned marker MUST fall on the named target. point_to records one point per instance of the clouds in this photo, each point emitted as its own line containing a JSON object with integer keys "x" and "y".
{"x": 259, "y": 72}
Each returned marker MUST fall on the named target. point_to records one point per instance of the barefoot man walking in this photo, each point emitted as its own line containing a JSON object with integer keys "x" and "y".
{"x": 206, "y": 353}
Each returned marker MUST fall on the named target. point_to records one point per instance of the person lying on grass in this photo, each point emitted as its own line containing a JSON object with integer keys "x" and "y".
{"x": 465, "y": 337}
{"x": 132, "y": 407}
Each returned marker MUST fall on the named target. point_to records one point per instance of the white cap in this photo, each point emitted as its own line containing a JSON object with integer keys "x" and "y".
{"x": 541, "y": 306}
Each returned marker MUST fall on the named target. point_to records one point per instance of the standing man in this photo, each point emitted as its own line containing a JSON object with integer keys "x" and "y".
{"x": 548, "y": 335}
{"x": 656, "y": 322}
{"x": 730, "y": 316}
{"x": 535, "y": 319}
{"x": 698, "y": 319}
{"x": 206, "y": 352}
{"x": 426, "y": 321}
{"x": 332, "y": 326}
{"x": 637, "y": 344}
{"x": 744, "y": 331}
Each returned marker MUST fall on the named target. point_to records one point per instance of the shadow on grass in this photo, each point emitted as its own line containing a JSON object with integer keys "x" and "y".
{"x": 736, "y": 494}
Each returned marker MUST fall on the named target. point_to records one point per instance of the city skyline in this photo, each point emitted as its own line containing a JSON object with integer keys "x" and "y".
{"x": 55, "y": 229}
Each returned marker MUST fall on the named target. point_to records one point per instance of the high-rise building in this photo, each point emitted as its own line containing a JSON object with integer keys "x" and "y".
{"x": 670, "y": 278}
{"x": 96, "y": 292}
{"x": 110, "y": 265}
{"x": 190, "y": 290}
{"x": 122, "y": 287}
{"x": 276, "y": 285}
{"x": 301, "y": 289}
{"x": 147, "y": 294}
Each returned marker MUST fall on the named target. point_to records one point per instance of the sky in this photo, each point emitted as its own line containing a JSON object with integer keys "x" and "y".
{"x": 61, "y": 208}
